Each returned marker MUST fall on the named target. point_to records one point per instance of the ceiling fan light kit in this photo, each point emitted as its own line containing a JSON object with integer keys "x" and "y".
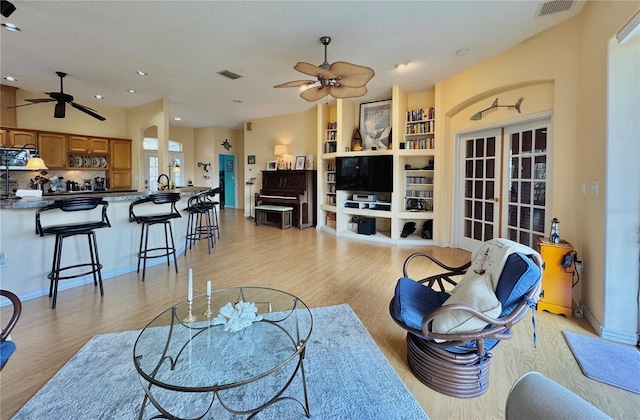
{"x": 341, "y": 79}
{"x": 62, "y": 99}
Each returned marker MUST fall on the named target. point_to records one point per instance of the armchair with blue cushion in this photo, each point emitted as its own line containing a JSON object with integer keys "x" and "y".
{"x": 8, "y": 347}
{"x": 450, "y": 333}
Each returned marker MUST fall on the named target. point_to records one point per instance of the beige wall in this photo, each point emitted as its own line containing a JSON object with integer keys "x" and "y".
{"x": 296, "y": 130}
{"x": 40, "y": 117}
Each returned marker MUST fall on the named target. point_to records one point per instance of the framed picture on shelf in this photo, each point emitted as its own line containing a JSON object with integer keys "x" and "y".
{"x": 375, "y": 124}
{"x": 300, "y": 160}
{"x": 272, "y": 165}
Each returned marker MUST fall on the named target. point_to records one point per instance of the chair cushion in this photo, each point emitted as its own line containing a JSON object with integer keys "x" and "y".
{"x": 476, "y": 292}
{"x": 6, "y": 350}
{"x": 518, "y": 276}
{"x": 413, "y": 300}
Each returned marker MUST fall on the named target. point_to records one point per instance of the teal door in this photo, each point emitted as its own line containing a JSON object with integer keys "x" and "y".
{"x": 228, "y": 179}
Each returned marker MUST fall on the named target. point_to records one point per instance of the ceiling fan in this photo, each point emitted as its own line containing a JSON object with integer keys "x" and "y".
{"x": 340, "y": 79}
{"x": 62, "y": 99}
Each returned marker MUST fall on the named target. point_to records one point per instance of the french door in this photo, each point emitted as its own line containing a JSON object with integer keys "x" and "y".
{"x": 503, "y": 184}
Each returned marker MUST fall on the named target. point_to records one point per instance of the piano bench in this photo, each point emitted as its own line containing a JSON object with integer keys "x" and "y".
{"x": 265, "y": 215}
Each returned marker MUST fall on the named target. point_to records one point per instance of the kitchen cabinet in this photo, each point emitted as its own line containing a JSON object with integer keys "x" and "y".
{"x": 53, "y": 150}
{"x": 81, "y": 144}
{"x": 19, "y": 138}
{"x": 4, "y": 138}
{"x": 120, "y": 164}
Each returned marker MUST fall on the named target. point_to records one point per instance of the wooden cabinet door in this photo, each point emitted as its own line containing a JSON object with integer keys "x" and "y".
{"x": 53, "y": 150}
{"x": 21, "y": 138}
{"x": 120, "y": 180}
{"x": 78, "y": 144}
{"x": 4, "y": 138}
{"x": 99, "y": 146}
{"x": 120, "y": 154}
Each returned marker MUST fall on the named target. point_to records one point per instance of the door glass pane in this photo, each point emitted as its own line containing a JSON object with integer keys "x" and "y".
{"x": 525, "y": 238}
{"x": 526, "y": 168}
{"x": 488, "y": 213}
{"x": 540, "y": 168}
{"x": 525, "y": 192}
{"x": 479, "y": 147}
{"x": 488, "y": 232}
{"x": 477, "y": 211}
{"x": 467, "y": 208}
{"x": 467, "y": 228}
{"x": 512, "y": 234}
{"x": 477, "y": 231}
{"x": 513, "y": 216}
{"x": 479, "y": 169}
{"x": 527, "y": 142}
{"x": 541, "y": 140}
{"x": 468, "y": 189}
{"x": 513, "y": 192}
{"x": 525, "y": 218}
{"x": 468, "y": 173}
{"x": 469, "y": 153}
{"x": 478, "y": 190}
{"x": 490, "y": 171}
{"x": 491, "y": 146}
{"x": 489, "y": 192}
{"x": 515, "y": 168}
{"x": 539, "y": 193}
{"x": 538, "y": 220}
{"x": 515, "y": 143}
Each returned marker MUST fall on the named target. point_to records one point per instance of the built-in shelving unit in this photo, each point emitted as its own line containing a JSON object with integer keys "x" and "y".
{"x": 415, "y": 161}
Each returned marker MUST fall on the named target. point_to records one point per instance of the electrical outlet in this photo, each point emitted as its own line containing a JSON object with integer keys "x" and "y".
{"x": 3, "y": 259}
{"x": 578, "y": 266}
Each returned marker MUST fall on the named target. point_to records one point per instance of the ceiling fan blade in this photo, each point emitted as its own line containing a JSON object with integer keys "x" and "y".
{"x": 315, "y": 93}
{"x": 315, "y": 71}
{"x": 344, "y": 92}
{"x": 40, "y": 100}
{"x": 352, "y": 75}
{"x": 59, "y": 112}
{"x": 296, "y": 83}
{"x": 32, "y": 103}
{"x": 87, "y": 110}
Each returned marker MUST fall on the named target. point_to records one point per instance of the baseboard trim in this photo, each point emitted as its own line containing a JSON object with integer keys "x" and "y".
{"x": 606, "y": 333}
{"x": 70, "y": 284}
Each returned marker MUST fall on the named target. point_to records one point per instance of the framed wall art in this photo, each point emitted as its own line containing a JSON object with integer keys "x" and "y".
{"x": 272, "y": 165}
{"x": 251, "y": 159}
{"x": 375, "y": 124}
{"x": 300, "y": 162}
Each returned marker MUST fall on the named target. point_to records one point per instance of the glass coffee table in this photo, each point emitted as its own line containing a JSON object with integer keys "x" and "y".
{"x": 186, "y": 363}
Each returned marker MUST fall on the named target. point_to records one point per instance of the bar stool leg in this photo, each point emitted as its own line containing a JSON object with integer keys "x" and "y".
{"x": 97, "y": 266}
{"x": 144, "y": 253}
{"x": 56, "y": 271}
{"x": 173, "y": 248}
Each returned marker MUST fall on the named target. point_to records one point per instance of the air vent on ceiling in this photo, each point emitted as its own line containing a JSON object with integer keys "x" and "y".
{"x": 554, "y": 6}
{"x": 229, "y": 75}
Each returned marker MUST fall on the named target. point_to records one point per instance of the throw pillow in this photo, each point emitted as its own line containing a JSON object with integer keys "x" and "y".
{"x": 476, "y": 292}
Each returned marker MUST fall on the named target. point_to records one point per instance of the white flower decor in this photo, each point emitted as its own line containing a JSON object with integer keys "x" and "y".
{"x": 238, "y": 317}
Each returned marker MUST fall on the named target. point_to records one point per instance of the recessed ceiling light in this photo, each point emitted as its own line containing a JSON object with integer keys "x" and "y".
{"x": 462, "y": 51}
{"x": 178, "y": 119}
{"x": 131, "y": 91}
{"x": 141, "y": 73}
{"x": 10, "y": 27}
{"x": 400, "y": 66}
{"x": 11, "y": 79}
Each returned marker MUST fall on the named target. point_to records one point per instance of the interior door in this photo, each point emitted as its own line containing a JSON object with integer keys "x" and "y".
{"x": 479, "y": 188}
{"x": 228, "y": 174}
{"x": 503, "y": 184}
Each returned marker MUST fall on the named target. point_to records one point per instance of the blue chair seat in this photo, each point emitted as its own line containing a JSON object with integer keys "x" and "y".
{"x": 7, "y": 348}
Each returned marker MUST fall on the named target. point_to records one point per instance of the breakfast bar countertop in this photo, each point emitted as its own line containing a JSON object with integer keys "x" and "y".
{"x": 121, "y": 195}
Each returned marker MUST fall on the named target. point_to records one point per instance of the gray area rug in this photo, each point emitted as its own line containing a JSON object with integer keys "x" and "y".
{"x": 348, "y": 377}
{"x": 612, "y": 363}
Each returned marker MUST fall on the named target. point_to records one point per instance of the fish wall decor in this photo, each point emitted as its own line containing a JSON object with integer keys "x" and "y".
{"x": 481, "y": 114}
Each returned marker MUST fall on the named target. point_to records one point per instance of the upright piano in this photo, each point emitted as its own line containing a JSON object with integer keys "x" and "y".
{"x": 295, "y": 189}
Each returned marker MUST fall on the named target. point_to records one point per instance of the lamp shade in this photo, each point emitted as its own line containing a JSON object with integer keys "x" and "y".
{"x": 36, "y": 163}
{"x": 281, "y": 149}
{"x": 176, "y": 169}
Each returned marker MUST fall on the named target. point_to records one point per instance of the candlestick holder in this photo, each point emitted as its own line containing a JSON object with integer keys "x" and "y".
{"x": 208, "y": 312}
{"x": 190, "y": 317}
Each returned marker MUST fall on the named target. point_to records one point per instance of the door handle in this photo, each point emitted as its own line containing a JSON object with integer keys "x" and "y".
{"x": 496, "y": 199}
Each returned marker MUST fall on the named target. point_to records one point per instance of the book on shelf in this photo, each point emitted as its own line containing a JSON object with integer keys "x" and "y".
{"x": 426, "y": 143}
{"x": 421, "y": 114}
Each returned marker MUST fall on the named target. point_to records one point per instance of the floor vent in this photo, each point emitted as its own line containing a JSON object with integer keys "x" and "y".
{"x": 229, "y": 75}
{"x": 554, "y": 6}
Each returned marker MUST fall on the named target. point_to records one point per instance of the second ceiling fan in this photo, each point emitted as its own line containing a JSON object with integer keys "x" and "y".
{"x": 340, "y": 79}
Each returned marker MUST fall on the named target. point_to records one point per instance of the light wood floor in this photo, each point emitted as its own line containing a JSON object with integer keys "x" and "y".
{"x": 320, "y": 269}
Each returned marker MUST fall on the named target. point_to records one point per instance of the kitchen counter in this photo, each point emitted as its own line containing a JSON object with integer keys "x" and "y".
{"x": 109, "y": 196}
{"x": 28, "y": 255}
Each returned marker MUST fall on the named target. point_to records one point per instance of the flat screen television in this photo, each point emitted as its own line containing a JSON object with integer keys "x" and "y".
{"x": 365, "y": 173}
